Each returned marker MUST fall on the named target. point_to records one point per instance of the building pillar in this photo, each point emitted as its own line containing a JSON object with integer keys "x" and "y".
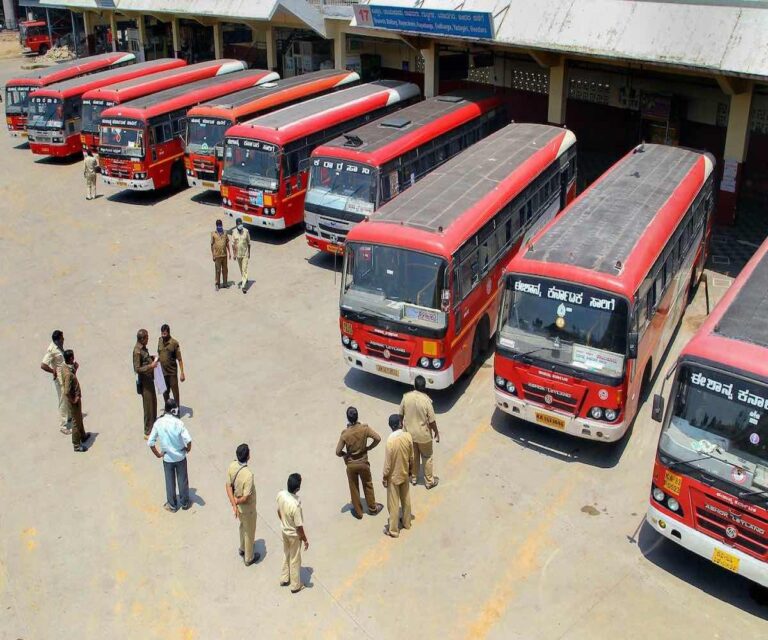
{"x": 340, "y": 50}
{"x": 9, "y": 9}
{"x": 141, "y": 27}
{"x": 431, "y": 70}
{"x": 736, "y": 143}
{"x": 558, "y": 92}
{"x": 271, "y": 49}
{"x": 218, "y": 41}
{"x": 88, "y": 24}
{"x": 113, "y": 29}
{"x": 176, "y": 36}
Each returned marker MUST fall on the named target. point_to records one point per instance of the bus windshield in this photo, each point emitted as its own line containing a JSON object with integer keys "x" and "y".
{"x": 16, "y": 99}
{"x": 395, "y": 284}
{"x": 342, "y": 185}
{"x": 122, "y": 141}
{"x": 251, "y": 163}
{"x": 719, "y": 422}
{"x": 204, "y": 134}
{"x": 92, "y": 115}
{"x": 46, "y": 113}
{"x": 561, "y": 322}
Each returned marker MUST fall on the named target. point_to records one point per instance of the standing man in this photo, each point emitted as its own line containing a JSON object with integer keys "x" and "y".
{"x": 241, "y": 491}
{"x": 90, "y": 166}
{"x": 419, "y": 420}
{"x": 175, "y": 443}
{"x": 292, "y": 523}
{"x": 355, "y": 440}
{"x": 398, "y": 466}
{"x": 169, "y": 353}
{"x": 53, "y": 361}
{"x": 241, "y": 248}
{"x": 143, "y": 366}
{"x": 220, "y": 254}
{"x": 70, "y": 388}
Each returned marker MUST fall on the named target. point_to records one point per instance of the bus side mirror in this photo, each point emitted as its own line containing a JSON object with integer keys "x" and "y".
{"x": 632, "y": 345}
{"x": 657, "y": 413}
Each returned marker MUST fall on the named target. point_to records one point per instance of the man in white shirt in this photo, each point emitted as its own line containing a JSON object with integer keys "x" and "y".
{"x": 53, "y": 361}
{"x": 174, "y": 441}
{"x": 292, "y": 523}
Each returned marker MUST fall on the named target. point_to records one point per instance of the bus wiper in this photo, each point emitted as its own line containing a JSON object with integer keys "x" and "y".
{"x": 746, "y": 494}
{"x": 517, "y": 356}
{"x": 706, "y": 456}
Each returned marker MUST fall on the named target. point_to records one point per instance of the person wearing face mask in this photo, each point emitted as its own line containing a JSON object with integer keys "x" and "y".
{"x": 220, "y": 253}
{"x": 241, "y": 248}
{"x": 143, "y": 367}
{"x": 292, "y": 523}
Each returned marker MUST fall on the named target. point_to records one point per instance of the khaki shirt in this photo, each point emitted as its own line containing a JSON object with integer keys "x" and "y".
{"x": 244, "y": 485}
{"x": 289, "y": 509}
{"x": 168, "y": 353}
{"x": 398, "y": 458}
{"x": 241, "y": 243}
{"x": 142, "y": 362}
{"x": 70, "y": 385}
{"x": 90, "y": 164}
{"x": 417, "y": 414}
{"x": 219, "y": 244}
{"x": 355, "y": 439}
{"x": 54, "y": 358}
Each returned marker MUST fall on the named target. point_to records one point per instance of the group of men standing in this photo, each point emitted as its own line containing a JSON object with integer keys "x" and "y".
{"x": 223, "y": 250}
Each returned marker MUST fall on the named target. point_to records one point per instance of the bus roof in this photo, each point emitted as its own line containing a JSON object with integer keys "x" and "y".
{"x": 248, "y": 102}
{"x": 77, "y": 86}
{"x": 395, "y": 134}
{"x": 191, "y": 94}
{"x": 447, "y": 206}
{"x": 298, "y": 120}
{"x": 613, "y": 232}
{"x": 60, "y": 72}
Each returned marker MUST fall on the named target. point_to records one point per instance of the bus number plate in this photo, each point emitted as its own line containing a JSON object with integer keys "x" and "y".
{"x": 387, "y": 371}
{"x": 726, "y": 560}
{"x": 335, "y": 248}
{"x": 550, "y": 421}
{"x": 208, "y": 184}
{"x": 247, "y": 218}
{"x": 672, "y": 482}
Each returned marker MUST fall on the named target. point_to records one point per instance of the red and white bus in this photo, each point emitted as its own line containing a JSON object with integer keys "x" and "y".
{"x": 141, "y": 144}
{"x": 351, "y": 176}
{"x": 266, "y": 159}
{"x": 591, "y": 302}
{"x": 207, "y": 123}
{"x": 96, "y": 101}
{"x": 17, "y": 89}
{"x": 420, "y": 290}
{"x": 55, "y": 112}
{"x": 710, "y": 480}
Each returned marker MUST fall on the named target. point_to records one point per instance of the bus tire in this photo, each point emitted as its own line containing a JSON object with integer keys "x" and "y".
{"x": 178, "y": 179}
{"x": 42, "y": 50}
{"x": 645, "y": 384}
{"x": 480, "y": 341}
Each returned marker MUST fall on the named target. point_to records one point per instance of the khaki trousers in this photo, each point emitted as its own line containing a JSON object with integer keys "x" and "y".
{"x": 90, "y": 186}
{"x": 292, "y": 561}
{"x": 243, "y": 264}
{"x": 398, "y": 495}
{"x": 149, "y": 400}
{"x": 65, "y": 418}
{"x": 361, "y": 471}
{"x": 247, "y": 532}
{"x": 78, "y": 430}
{"x": 221, "y": 270}
{"x": 172, "y": 386}
{"x": 422, "y": 454}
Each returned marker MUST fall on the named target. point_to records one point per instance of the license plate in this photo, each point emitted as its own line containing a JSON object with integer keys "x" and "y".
{"x": 389, "y": 371}
{"x": 672, "y": 482}
{"x": 725, "y": 560}
{"x": 549, "y": 420}
{"x": 336, "y": 248}
{"x": 121, "y": 183}
{"x": 247, "y": 218}
{"x": 208, "y": 184}
{"x": 24, "y": 134}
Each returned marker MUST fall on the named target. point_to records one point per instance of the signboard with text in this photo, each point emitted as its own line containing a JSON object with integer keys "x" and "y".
{"x": 474, "y": 25}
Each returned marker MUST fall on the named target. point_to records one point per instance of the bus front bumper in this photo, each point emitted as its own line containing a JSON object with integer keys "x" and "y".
{"x": 267, "y": 222}
{"x": 556, "y": 421}
{"x": 402, "y": 373}
{"x": 203, "y": 184}
{"x": 324, "y": 245}
{"x": 701, "y": 544}
{"x": 135, "y": 185}
{"x": 17, "y": 133}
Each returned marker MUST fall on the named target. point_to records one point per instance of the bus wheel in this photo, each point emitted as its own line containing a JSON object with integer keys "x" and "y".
{"x": 42, "y": 50}
{"x": 178, "y": 179}
{"x": 480, "y": 341}
{"x": 645, "y": 385}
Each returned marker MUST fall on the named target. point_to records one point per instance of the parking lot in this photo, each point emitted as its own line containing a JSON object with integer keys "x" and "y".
{"x": 529, "y": 535}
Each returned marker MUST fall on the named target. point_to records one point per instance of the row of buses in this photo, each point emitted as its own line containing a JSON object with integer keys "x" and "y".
{"x": 460, "y": 230}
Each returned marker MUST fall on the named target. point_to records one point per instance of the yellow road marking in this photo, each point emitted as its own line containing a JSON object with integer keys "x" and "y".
{"x": 28, "y": 536}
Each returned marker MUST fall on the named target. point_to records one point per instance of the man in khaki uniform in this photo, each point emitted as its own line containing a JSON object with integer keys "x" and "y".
{"x": 70, "y": 387}
{"x": 143, "y": 366}
{"x": 169, "y": 354}
{"x": 53, "y": 361}
{"x": 398, "y": 466}
{"x": 220, "y": 254}
{"x": 90, "y": 166}
{"x": 355, "y": 440}
{"x": 419, "y": 420}
{"x": 292, "y": 523}
{"x": 241, "y": 491}
{"x": 241, "y": 248}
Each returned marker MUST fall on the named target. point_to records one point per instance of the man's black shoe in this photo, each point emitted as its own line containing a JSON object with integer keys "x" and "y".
{"x": 80, "y": 449}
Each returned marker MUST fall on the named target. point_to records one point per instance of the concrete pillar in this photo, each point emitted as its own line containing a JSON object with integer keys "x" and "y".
{"x": 736, "y": 144}
{"x": 9, "y": 9}
{"x": 218, "y": 41}
{"x": 142, "y": 29}
{"x": 176, "y": 35}
{"x": 271, "y": 49}
{"x": 113, "y": 29}
{"x": 89, "y": 21}
{"x": 340, "y": 50}
{"x": 558, "y": 92}
{"x": 431, "y": 70}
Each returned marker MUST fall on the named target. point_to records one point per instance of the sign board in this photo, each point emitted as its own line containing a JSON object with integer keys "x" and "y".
{"x": 730, "y": 173}
{"x": 474, "y": 25}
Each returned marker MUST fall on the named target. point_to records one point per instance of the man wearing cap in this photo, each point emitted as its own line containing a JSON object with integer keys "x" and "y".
{"x": 241, "y": 249}
{"x": 398, "y": 466}
{"x": 220, "y": 253}
{"x": 353, "y": 447}
{"x": 241, "y": 491}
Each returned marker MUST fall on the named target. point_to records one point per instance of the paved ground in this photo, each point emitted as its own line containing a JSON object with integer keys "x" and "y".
{"x": 529, "y": 535}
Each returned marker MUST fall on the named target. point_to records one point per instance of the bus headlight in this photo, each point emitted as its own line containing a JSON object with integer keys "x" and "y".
{"x": 658, "y": 494}
{"x": 510, "y": 387}
{"x": 58, "y": 140}
{"x": 345, "y": 340}
{"x": 596, "y": 413}
{"x": 610, "y": 415}
{"x": 354, "y": 345}
{"x": 500, "y": 382}
{"x": 437, "y": 363}
{"x": 424, "y": 362}
{"x": 673, "y": 504}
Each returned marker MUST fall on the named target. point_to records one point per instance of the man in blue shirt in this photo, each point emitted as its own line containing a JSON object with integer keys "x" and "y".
{"x": 174, "y": 441}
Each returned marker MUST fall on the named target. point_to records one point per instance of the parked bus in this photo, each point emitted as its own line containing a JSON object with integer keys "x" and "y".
{"x": 352, "y": 175}
{"x": 141, "y": 144}
{"x": 17, "y": 89}
{"x": 207, "y": 123}
{"x": 55, "y": 112}
{"x": 266, "y": 159}
{"x": 710, "y": 480}
{"x": 35, "y": 38}
{"x": 96, "y": 101}
{"x": 420, "y": 286}
{"x": 591, "y": 303}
